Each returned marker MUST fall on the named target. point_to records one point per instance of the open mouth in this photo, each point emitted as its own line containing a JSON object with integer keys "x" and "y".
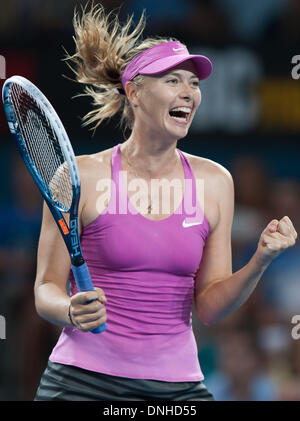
{"x": 180, "y": 114}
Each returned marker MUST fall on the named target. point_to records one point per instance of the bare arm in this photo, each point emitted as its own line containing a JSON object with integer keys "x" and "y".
{"x": 218, "y": 292}
{"x": 53, "y": 267}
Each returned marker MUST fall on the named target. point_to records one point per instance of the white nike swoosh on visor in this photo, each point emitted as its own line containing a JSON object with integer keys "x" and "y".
{"x": 187, "y": 224}
{"x": 178, "y": 49}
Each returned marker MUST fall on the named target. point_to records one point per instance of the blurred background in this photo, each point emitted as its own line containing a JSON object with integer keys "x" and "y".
{"x": 249, "y": 121}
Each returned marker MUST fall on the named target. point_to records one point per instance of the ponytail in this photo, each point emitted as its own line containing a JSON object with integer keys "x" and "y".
{"x": 103, "y": 49}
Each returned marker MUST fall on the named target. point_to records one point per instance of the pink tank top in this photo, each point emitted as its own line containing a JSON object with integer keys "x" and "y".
{"x": 146, "y": 269}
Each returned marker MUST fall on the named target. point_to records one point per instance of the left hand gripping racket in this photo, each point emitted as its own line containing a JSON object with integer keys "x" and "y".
{"x": 47, "y": 152}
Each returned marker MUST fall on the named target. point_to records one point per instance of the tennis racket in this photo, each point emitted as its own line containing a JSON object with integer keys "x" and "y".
{"x": 47, "y": 152}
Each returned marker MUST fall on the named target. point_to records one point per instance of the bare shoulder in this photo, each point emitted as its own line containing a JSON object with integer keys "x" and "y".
{"x": 97, "y": 164}
{"x": 211, "y": 171}
{"x": 93, "y": 168}
{"x": 218, "y": 188}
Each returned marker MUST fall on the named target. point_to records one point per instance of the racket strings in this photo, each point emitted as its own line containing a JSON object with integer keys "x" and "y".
{"x": 43, "y": 146}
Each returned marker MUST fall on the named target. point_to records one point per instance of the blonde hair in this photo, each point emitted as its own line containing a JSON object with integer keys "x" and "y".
{"x": 103, "y": 49}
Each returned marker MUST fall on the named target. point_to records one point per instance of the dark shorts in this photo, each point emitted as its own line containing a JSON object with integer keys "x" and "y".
{"x": 61, "y": 382}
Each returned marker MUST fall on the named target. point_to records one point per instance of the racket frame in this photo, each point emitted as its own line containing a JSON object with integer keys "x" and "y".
{"x": 70, "y": 233}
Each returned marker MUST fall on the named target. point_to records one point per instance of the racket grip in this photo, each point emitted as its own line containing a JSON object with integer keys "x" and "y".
{"x": 84, "y": 283}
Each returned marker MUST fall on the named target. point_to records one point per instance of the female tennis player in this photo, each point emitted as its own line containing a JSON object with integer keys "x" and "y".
{"x": 149, "y": 254}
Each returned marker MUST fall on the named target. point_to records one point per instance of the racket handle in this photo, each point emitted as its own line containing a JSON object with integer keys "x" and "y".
{"x": 84, "y": 283}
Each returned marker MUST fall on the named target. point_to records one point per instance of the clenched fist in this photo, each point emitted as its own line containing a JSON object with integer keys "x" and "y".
{"x": 87, "y": 310}
{"x": 276, "y": 237}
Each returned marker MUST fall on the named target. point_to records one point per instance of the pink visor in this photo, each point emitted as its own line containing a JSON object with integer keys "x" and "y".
{"x": 162, "y": 57}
